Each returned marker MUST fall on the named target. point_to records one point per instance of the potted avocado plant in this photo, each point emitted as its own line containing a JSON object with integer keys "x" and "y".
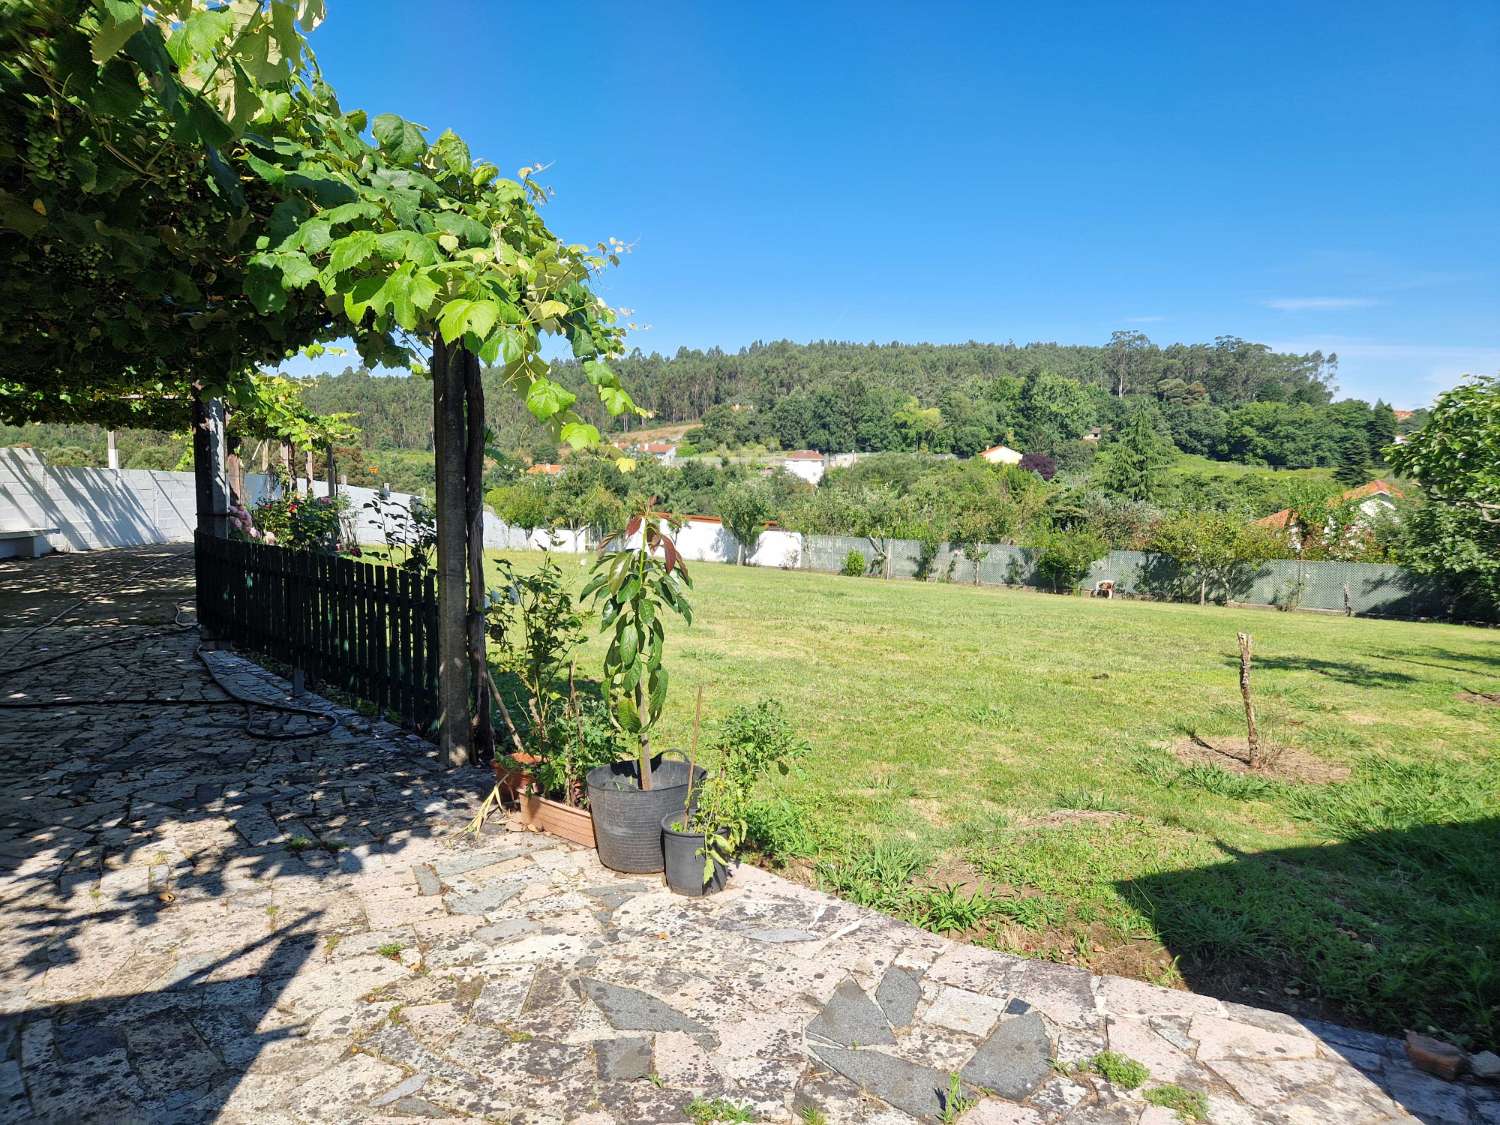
{"x": 701, "y": 840}
{"x": 634, "y": 585}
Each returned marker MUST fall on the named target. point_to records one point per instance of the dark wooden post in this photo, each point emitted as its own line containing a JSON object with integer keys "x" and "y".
{"x": 452, "y": 539}
{"x": 1252, "y": 734}
{"x": 483, "y": 746}
{"x": 210, "y": 486}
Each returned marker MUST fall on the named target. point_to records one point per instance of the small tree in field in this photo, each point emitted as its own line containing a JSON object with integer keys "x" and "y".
{"x": 745, "y": 507}
{"x": 1064, "y": 557}
{"x": 973, "y": 534}
{"x": 1213, "y": 547}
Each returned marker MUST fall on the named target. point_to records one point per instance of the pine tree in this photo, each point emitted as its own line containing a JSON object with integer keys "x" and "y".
{"x": 1132, "y": 465}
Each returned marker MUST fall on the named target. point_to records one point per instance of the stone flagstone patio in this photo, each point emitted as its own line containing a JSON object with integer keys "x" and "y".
{"x": 198, "y": 924}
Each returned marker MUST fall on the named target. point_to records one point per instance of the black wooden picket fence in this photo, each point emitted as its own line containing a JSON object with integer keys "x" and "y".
{"x": 368, "y": 629}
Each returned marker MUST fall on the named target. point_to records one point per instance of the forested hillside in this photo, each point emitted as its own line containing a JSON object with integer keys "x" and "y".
{"x": 1231, "y": 400}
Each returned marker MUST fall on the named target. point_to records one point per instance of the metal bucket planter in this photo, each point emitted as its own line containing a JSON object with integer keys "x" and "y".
{"x": 684, "y": 864}
{"x": 627, "y": 818}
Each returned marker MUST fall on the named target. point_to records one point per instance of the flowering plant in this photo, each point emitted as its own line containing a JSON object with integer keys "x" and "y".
{"x": 303, "y": 523}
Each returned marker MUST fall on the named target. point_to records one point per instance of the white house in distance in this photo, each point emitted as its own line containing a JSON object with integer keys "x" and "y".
{"x": 808, "y": 464}
{"x": 663, "y": 451}
{"x": 1001, "y": 455}
{"x": 1375, "y": 500}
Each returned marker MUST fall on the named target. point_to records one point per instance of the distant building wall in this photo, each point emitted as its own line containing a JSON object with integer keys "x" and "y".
{"x": 93, "y": 509}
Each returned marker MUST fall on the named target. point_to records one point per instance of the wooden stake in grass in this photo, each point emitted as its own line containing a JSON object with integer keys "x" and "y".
{"x": 1252, "y": 736}
{"x": 693, "y": 756}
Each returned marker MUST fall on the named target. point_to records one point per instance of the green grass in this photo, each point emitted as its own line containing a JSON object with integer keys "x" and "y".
{"x": 1190, "y": 1105}
{"x": 996, "y": 764}
{"x": 706, "y": 1112}
{"x": 1119, "y": 1070}
{"x": 1193, "y": 463}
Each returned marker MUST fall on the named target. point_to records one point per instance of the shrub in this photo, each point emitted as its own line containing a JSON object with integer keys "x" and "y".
{"x": 299, "y": 522}
{"x": 1040, "y": 464}
{"x": 750, "y": 741}
{"x": 588, "y": 740}
{"x": 537, "y": 629}
{"x": 1064, "y": 557}
{"x": 854, "y": 564}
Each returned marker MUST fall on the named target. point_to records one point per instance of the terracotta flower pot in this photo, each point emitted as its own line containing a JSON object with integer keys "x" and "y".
{"x": 513, "y": 774}
{"x": 557, "y": 819}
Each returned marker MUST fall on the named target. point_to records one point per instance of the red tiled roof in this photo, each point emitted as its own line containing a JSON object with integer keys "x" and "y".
{"x": 545, "y": 469}
{"x": 1372, "y": 488}
{"x": 802, "y": 455}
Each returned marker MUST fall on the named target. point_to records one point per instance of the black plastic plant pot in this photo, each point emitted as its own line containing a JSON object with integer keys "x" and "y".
{"x": 685, "y": 864}
{"x": 627, "y": 818}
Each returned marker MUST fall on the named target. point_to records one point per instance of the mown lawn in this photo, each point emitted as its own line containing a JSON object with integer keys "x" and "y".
{"x": 998, "y": 764}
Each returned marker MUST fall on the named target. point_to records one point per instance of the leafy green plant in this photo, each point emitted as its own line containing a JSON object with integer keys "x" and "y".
{"x": 749, "y": 742}
{"x": 1190, "y": 1105}
{"x": 302, "y": 523}
{"x": 812, "y": 1115}
{"x": 409, "y": 531}
{"x": 391, "y": 949}
{"x": 1119, "y": 1070}
{"x": 955, "y": 1102}
{"x": 854, "y": 564}
{"x": 589, "y": 741}
{"x": 949, "y": 909}
{"x": 536, "y": 626}
{"x": 703, "y": 1111}
{"x": 1063, "y": 558}
{"x": 634, "y": 586}
{"x": 745, "y": 507}
{"x": 1218, "y": 552}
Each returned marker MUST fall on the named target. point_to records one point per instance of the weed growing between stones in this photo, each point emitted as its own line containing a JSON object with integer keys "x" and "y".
{"x": 705, "y": 1112}
{"x": 1119, "y": 1070}
{"x": 1189, "y": 1105}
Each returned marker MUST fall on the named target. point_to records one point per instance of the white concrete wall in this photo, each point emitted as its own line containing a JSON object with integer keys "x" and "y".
{"x": 100, "y": 508}
{"x": 810, "y": 471}
{"x": 708, "y": 540}
{"x": 93, "y": 508}
{"x": 778, "y": 548}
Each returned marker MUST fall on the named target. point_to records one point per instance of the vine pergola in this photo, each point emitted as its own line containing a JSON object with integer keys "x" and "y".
{"x": 183, "y": 201}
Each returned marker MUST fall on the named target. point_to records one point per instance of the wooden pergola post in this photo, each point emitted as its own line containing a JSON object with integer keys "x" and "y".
{"x": 210, "y": 485}
{"x": 483, "y": 745}
{"x": 449, "y": 433}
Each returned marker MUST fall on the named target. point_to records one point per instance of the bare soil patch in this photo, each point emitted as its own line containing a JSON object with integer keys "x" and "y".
{"x": 953, "y": 872}
{"x": 1491, "y": 698}
{"x": 1062, "y": 818}
{"x": 1285, "y": 763}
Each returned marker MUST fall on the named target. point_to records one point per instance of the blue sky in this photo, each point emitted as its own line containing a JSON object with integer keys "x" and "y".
{"x": 1309, "y": 175}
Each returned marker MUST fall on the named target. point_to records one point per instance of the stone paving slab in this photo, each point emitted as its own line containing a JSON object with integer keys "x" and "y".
{"x": 200, "y": 925}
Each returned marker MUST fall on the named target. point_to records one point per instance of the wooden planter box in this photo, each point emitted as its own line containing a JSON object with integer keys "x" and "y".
{"x": 557, "y": 819}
